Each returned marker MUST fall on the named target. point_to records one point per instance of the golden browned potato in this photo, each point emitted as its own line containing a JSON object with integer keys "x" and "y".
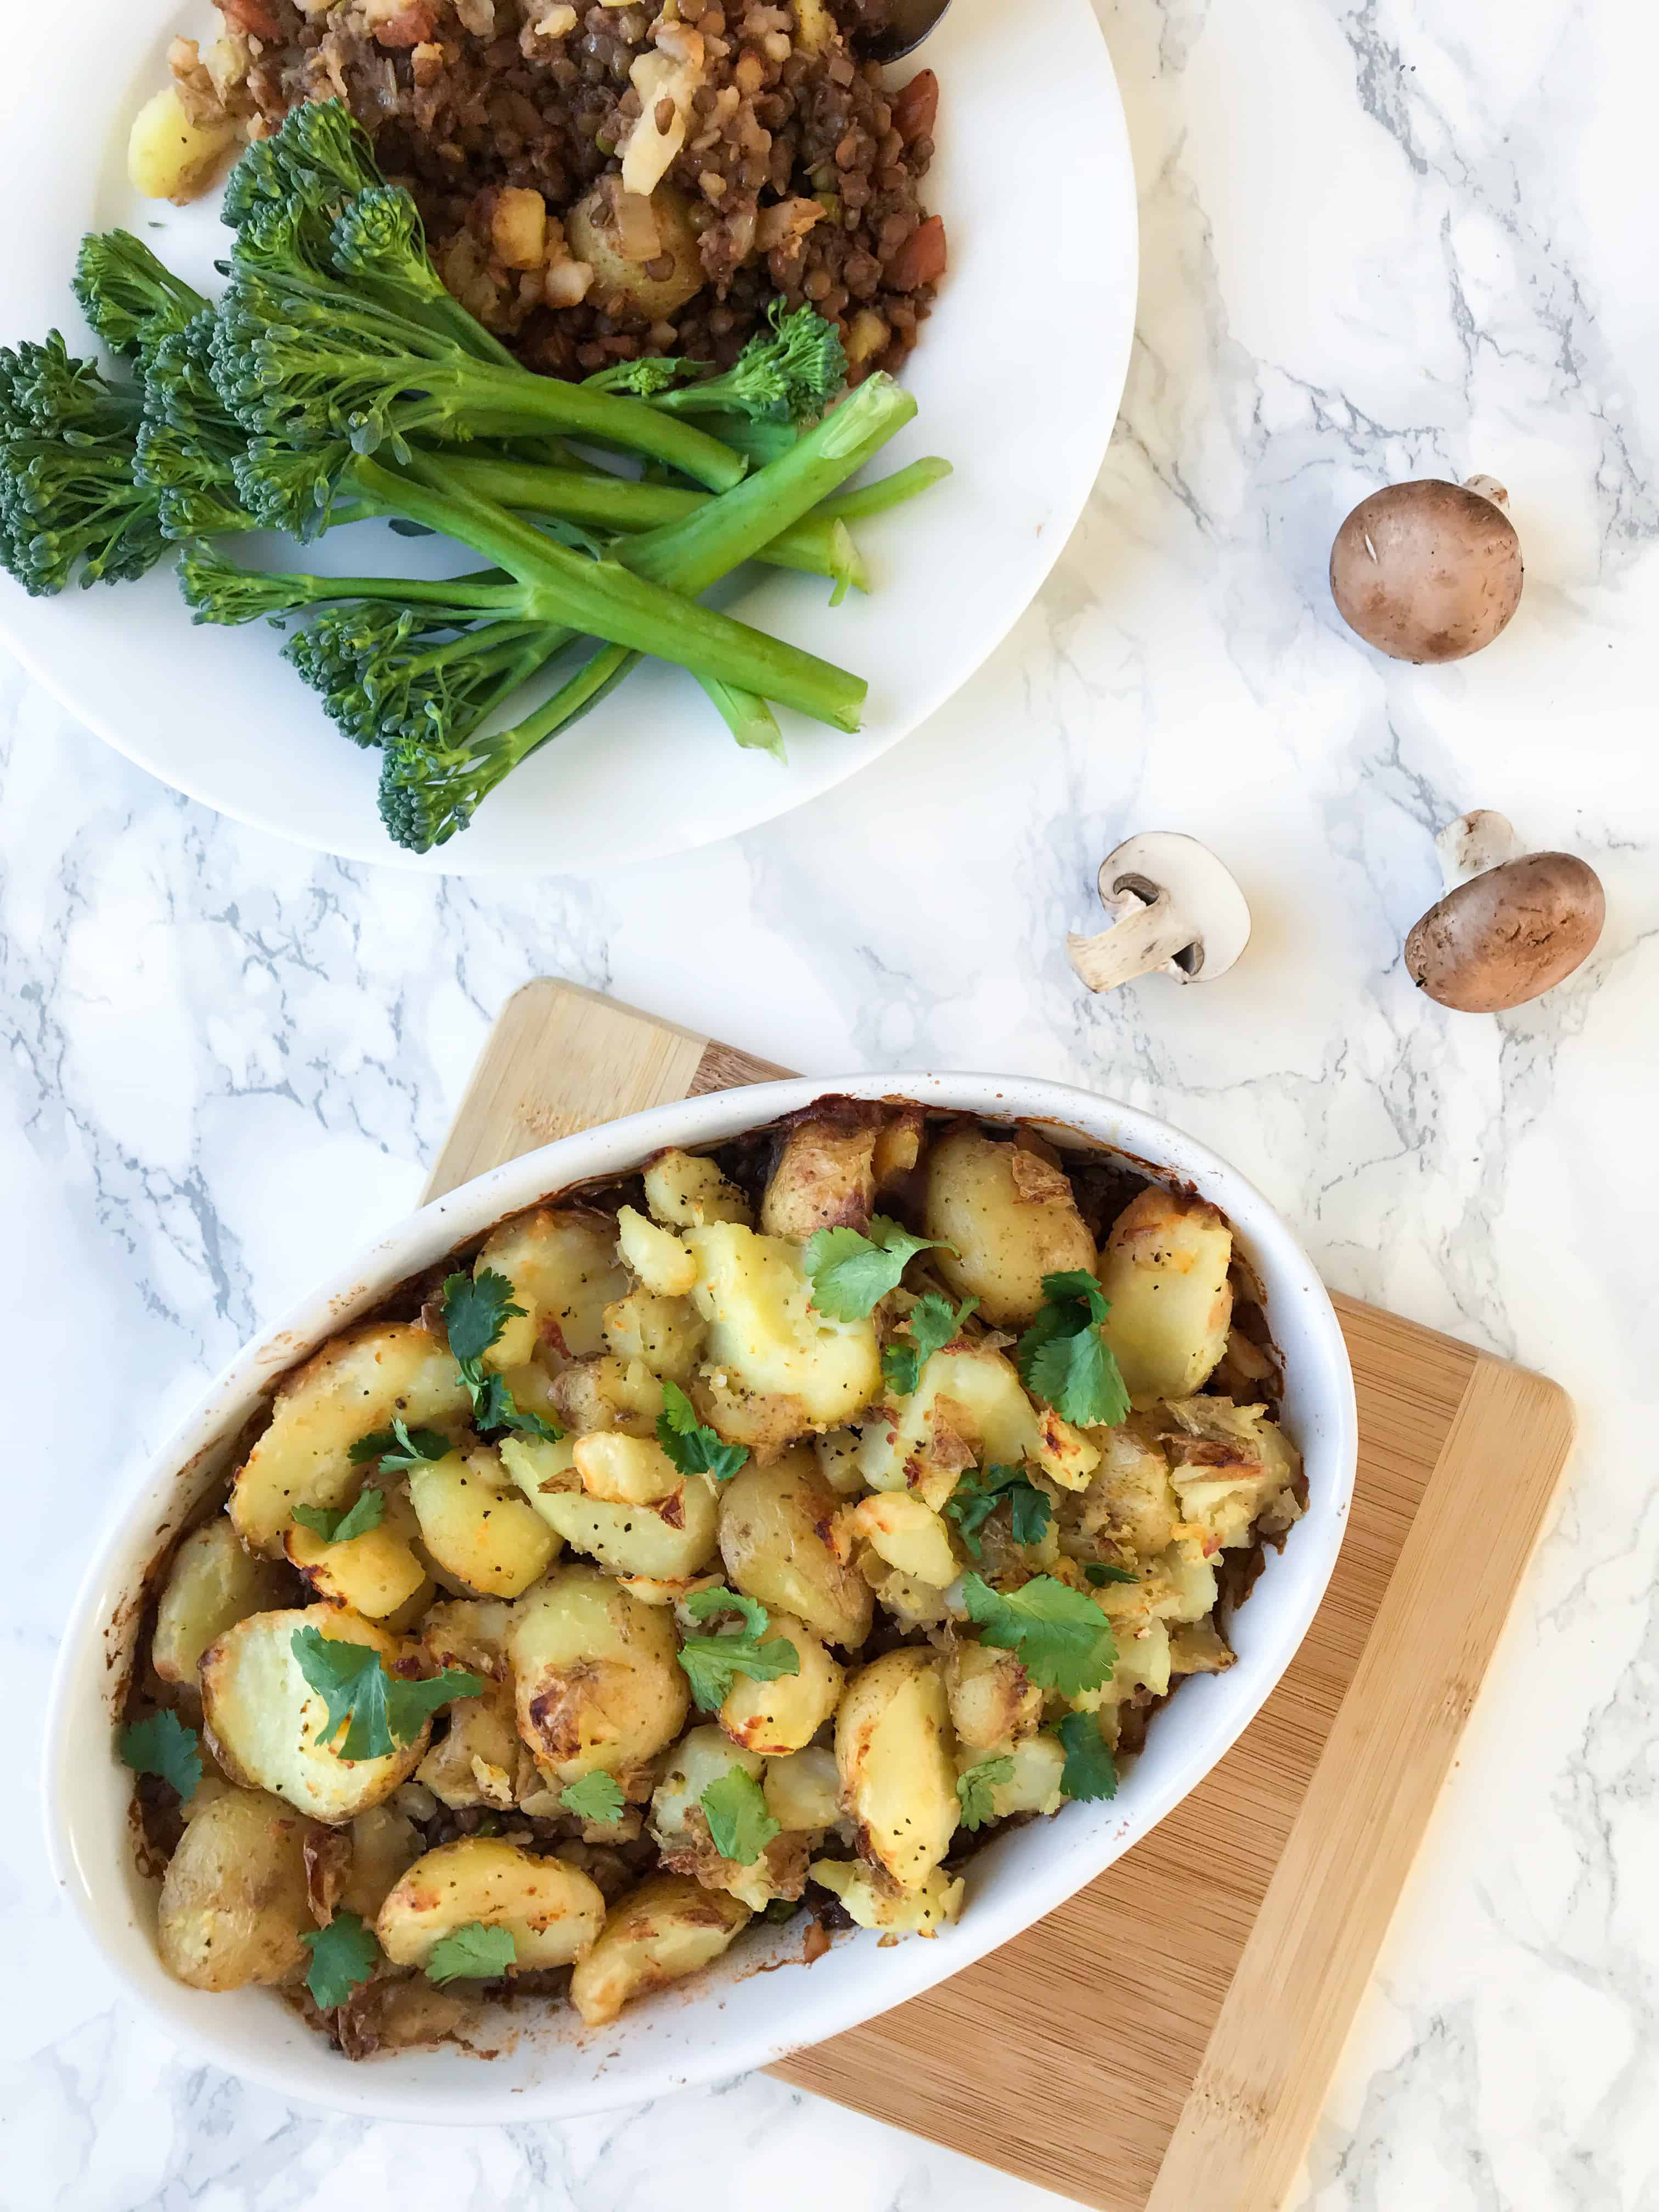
{"x": 933, "y": 1904}
{"x": 970, "y": 1407}
{"x": 625, "y": 1470}
{"x": 803, "y": 1791}
{"x": 597, "y": 1677}
{"x": 680, "y": 1829}
{"x": 907, "y": 1534}
{"x": 211, "y": 1585}
{"x": 475, "y": 1526}
{"x": 825, "y": 1178}
{"x": 664, "y": 1334}
{"x": 1232, "y": 1468}
{"x": 659, "y": 1933}
{"x": 552, "y": 1910}
{"x": 595, "y": 231}
{"x": 1130, "y": 1498}
{"x": 563, "y": 1265}
{"x": 385, "y": 1844}
{"x": 785, "y": 1715}
{"x": 234, "y": 1901}
{"x": 375, "y": 1574}
{"x": 686, "y": 1190}
{"x": 777, "y": 1537}
{"x": 1164, "y": 1273}
{"x": 655, "y": 1254}
{"x": 993, "y": 1701}
{"x": 607, "y": 1393}
{"x": 169, "y": 157}
{"x": 896, "y": 1755}
{"x": 672, "y": 1539}
{"x": 815, "y": 26}
{"x": 268, "y": 1728}
{"x": 1010, "y": 1215}
{"x": 476, "y": 1761}
{"x": 355, "y": 1385}
{"x": 767, "y": 1335}
{"x": 765, "y": 1422}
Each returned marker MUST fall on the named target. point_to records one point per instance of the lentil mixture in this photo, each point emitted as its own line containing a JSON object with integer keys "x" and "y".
{"x": 600, "y": 182}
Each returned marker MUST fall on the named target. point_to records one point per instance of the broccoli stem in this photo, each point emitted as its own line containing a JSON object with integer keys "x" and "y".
{"x": 503, "y": 403}
{"x": 604, "y": 599}
{"x": 614, "y": 502}
{"x": 887, "y": 491}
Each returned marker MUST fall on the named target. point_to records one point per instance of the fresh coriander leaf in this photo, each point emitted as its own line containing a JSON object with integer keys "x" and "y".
{"x": 701, "y": 1603}
{"x": 597, "y": 1796}
{"x": 378, "y": 1712}
{"x": 493, "y": 1407}
{"x": 343, "y": 1957}
{"x": 738, "y": 1822}
{"x": 1064, "y": 1359}
{"x": 1064, "y": 1641}
{"x": 694, "y": 1449}
{"x": 851, "y": 1274}
{"x": 932, "y": 1323}
{"x": 399, "y": 1447}
{"x": 339, "y": 1528}
{"x": 473, "y": 1952}
{"x": 476, "y": 1310}
{"x": 711, "y": 1662}
{"x": 1091, "y": 1772}
{"x": 980, "y": 1492}
{"x": 976, "y": 1788}
{"x": 1100, "y": 1576}
{"x": 161, "y": 1744}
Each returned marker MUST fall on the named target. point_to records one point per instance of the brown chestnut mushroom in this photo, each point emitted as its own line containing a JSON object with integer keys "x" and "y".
{"x": 1428, "y": 571}
{"x": 1512, "y": 925}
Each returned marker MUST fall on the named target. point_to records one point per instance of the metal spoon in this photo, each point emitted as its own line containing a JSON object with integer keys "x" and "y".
{"x": 908, "y": 22}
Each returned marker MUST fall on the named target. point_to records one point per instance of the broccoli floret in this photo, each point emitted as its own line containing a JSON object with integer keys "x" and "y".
{"x": 319, "y": 157}
{"x": 188, "y": 446}
{"x": 388, "y": 675}
{"x": 430, "y": 791}
{"x": 789, "y": 376}
{"x": 130, "y": 299}
{"x": 69, "y": 495}
{"x": 645, "y": 379}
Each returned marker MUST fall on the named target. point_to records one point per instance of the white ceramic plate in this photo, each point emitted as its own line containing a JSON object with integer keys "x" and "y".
{"x": 1019, "y": 376}
{"x": 732, "y": 2016}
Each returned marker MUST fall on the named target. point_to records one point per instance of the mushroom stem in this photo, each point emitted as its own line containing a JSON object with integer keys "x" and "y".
{"x": 1474, "y": 843}
{"x": 1149, "y": 935}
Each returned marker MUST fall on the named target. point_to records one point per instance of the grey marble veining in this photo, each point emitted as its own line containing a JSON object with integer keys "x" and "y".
{"x": 1378, "y": 239}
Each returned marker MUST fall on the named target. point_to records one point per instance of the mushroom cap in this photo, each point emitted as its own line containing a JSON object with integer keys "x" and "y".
{"x": 1508, "y": 935}
{"x": 1427, "y": 571}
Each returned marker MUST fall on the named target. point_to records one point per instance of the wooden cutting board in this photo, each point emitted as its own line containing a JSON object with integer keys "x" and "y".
{"x": 1164, "y": 2042}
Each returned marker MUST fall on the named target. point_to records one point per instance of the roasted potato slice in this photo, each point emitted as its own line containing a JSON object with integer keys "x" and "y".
{"x": 477, "y": 1762}
{"x": 803, "y": 1791}
{"x": 826, "y": 1177}
{"x": 597, "y": 1677}
{"x": 659, "y": 1933}
{"x": 970, "y": 1407}
{"x": 268, "y": 1728}
{"x": 684, "y": 1190}
{"x": 655, "y": 1254}
{"x": 475, "y": 1527}
{"x": 933, "y": 1904}
{"x": 785, "y": 1715}
{"x": 233, "y": 1902}
{"x": 552, "y": 1910}
{"x": 895, "y": 1754}
{"x": 665, "y": 1335}
{"x": 1130, "y": 1498}
{"x": 212, "y": 1583}
{"x": 1008, "y": 1217}
{"x": 563, "y": 1265}
{"x": 1163, "y": 1270}
{"x": 353, "y": 1386}
{"x": 764, "y": 1331}
{"x": 594, "y": 231}
{"x": 383, "y": 1844}
{"x": 672, "y": 1540}
{"x": 607, "y": 1393}
{"x": 993, "y": 1701}
{"x": 375, "y": 1574}
{"x": 625, "y": 1470}
{"x": 907, "y": 1534}
{"x": 1232, "y": 1469}
{"x": 778, "y": 1539}
{"x": 169, "y": 156}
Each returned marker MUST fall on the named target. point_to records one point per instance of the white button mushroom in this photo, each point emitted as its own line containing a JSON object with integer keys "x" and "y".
{"x": 1512, "y": 925}
{"x": 1173, "y": 906}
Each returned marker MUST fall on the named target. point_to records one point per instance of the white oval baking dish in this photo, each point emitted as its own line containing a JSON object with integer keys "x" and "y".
{"x": 732, "y": 2017}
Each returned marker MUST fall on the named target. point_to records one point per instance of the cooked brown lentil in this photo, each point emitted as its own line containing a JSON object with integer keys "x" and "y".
{"x": 799, "y": 175}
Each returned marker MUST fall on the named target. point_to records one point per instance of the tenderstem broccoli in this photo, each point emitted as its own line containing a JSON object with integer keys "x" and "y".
{"x": 130, "y": 298}
{"x": 788, "y": 374}
{"x": 69, "y": 501}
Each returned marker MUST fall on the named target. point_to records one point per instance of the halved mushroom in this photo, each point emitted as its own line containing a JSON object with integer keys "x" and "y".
{"x": 1428, "y": 571}
{"x": 1512, "y": 925}
{"x": 1173, "y": 907}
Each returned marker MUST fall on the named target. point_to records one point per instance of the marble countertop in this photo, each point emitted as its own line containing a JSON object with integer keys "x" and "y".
{"x": 1379, "y": 239}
